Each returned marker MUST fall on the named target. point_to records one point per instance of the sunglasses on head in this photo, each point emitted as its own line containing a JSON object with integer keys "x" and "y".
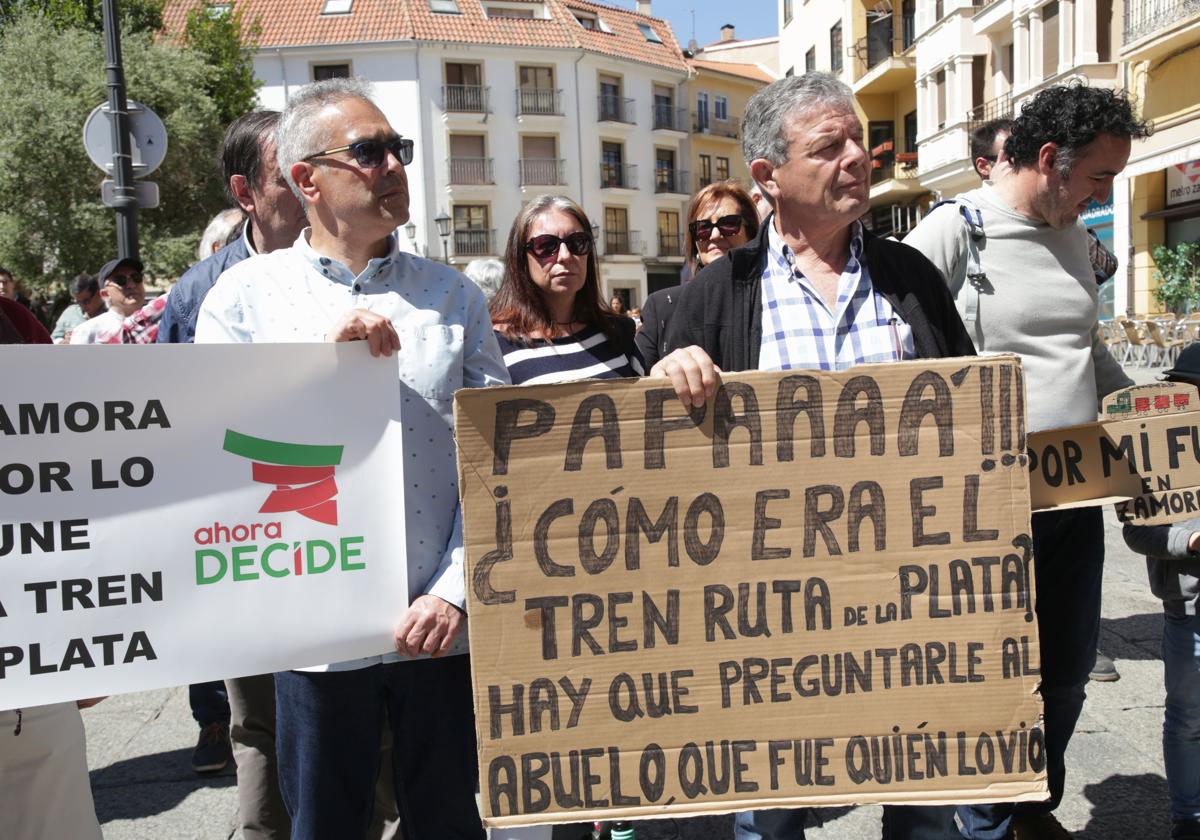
{"x": 123, "y": 280}
{"x": 371, "y": 153}
{"x": 578, "y": 243}
{"x": 728, "y": 225}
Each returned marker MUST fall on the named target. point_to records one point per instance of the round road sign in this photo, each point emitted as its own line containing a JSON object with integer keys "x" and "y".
{"x": 147, "y": 135}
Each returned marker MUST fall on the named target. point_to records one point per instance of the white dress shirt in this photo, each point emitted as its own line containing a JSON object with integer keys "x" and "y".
{"x": 446, "y": 343}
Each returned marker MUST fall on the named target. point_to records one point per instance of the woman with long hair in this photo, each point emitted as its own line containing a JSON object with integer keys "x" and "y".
{"x": 550, "y": 319}
{"x": 721, "y": 217}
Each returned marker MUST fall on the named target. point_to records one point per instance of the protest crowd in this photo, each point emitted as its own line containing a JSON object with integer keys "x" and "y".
{"x": 782, "y": 277}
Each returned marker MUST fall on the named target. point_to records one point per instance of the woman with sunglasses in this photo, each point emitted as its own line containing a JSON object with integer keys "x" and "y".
{"x": 549, "y": 317}
{"x": 721, "y": 217}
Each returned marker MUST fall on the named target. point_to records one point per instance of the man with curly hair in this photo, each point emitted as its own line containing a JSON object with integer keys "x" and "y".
{"x": 1023, "y": 280}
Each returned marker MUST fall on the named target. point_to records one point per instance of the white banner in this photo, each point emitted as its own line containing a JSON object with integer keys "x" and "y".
{"x": 182, "y": 513}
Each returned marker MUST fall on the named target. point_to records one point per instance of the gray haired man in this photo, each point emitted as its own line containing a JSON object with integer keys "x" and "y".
{"x": 813, "y": 290}
{"x": 345, "y": 279}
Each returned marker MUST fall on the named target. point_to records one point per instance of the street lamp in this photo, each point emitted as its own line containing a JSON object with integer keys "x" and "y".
{"x": 443, "y": 226}
{"x": 410, "y": 230}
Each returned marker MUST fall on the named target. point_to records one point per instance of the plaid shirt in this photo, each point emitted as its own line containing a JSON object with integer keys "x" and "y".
{"x": 800, "y": 331}
{"x": 139, "y": 328}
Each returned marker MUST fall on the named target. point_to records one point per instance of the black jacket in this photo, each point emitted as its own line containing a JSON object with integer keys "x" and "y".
{"x": 656, "y": 314}
{"x": 721, "y": 309}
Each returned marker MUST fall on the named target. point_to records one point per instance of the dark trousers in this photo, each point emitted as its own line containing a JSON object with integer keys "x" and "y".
{"x": 900, "y": 822}
{"x": 209, "y": 703}
{"x": 1068, "y": 562}
{"x": 327, "y": 741}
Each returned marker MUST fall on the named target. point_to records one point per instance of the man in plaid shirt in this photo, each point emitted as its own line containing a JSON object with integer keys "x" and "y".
{"x": 813, "y": 290}
{"x": 129, "y": 319}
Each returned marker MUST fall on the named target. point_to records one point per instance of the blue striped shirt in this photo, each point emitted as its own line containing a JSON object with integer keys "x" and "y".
{"x": 799, "y": 330}
{"x": 587, "y": 354}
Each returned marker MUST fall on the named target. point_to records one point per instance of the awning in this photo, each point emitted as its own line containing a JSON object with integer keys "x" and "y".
{"x": 1179, "y": 211}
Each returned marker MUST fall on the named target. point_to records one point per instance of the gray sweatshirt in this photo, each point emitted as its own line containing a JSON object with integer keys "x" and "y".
{"x": 1174, "y": 571}
{"x": 1040, "y": 302}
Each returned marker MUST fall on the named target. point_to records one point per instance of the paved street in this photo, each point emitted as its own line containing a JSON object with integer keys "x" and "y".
{"x": 139, "y": 746}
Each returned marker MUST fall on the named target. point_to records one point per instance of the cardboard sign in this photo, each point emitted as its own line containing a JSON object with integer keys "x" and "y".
{"x": 1144, "y": 457}
{"x": 815, "y": 589}
{"x": 182, "y": 513}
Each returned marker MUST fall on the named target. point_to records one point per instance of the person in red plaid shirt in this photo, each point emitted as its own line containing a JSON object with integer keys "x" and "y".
{"x": 129, "y": 319}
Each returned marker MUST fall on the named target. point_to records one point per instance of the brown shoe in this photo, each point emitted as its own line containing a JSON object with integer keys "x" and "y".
{"x": 1038, "y": 827}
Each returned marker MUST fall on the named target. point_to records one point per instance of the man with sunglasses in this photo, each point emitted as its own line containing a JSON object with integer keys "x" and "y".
{"x": 123, "y": 291}
{"x": 345, "y": 279}
{"x": 813, "y": 290}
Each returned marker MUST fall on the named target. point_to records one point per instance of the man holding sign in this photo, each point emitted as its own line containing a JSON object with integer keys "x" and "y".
{"x": 814, "y": 290}
{"x": 343, "y": 280}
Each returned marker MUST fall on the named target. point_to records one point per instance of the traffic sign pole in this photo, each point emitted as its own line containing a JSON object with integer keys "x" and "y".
{"x": 124, "y": 200}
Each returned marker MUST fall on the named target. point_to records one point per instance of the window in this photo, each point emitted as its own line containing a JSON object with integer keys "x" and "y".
{"x": 669, "y": 244}
{"x": 787, "y": 12}
{"x": 336, "y": 7}
{"x": 321, "y": 72}
{"x": 722, "y": 169}
{"x": 537, "y": 94}
{"x": 468, "y": 160}
{"x": 910, "y": 132}
{"x": 464, "y": 74}
{"x": 664, "y": 108}
{"x": 612, "y": 170}
{"x": 939, "y": 87}
{"x": 702, "y": 111}
{"x": 611, "y": 106}
{"x": 791, "y": 71}
{"x": 835, "y": 48}
{"x": 586, "y": 20}
{"x": 616, "y": 231}
{"x": 1050, "y": 23}
{"x": 471, "y": 234}
{"x": 505, "y": 12}
{"x": 705, "y": 170}
{"x": 721, "y": 108}
{"x": 464, "y": 89}
{"x": 216, "y": 11}
{"x": 649, "y": 32}
{"x": 539, "y": 161}
{"x": 666, "y": 179}
{"x": 810, "y": 60}
{"x": 445, "y": 7}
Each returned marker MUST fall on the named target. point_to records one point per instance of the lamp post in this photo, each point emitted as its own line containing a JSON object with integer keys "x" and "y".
{"x": 410, "y": 230}
{"x": 443, "y": 226}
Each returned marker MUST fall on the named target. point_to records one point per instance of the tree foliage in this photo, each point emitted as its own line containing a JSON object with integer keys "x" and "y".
{"x": 226, "y": 40}
{"x": 1177, "y": 275}
{"x": 52, "y": 223}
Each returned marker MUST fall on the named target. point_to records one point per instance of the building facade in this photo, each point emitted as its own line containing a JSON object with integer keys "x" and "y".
{"x": 509, "y": 99}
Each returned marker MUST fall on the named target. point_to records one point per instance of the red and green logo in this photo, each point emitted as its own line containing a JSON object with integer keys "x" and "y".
{"x": 301, "y": 473}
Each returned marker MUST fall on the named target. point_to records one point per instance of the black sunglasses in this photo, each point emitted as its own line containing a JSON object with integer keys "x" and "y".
{"x": 547, "y": 245}
{"x": 371, "y": 153}
{"x": 728, "y": 225}
{"x": 123, "y": 280}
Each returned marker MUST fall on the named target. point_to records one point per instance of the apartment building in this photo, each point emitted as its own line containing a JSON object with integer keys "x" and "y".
{"x": 718, "y": 92}
{"x": 508, "y": 99}
{"x": 871, "y": 47}
{"x": 1160, "y": 204}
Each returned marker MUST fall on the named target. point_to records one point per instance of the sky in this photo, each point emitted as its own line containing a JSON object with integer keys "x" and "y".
{"x": 753, "y": 18}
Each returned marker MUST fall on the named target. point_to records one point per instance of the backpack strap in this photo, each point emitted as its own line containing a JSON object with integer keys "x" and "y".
{"x": 968, "y": 296}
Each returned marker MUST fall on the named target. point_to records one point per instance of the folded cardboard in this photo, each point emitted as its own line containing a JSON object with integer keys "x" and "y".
{"x": 815, "y": 589}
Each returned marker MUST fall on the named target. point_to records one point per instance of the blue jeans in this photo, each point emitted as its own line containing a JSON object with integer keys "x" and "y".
{"x": 900, "y": 822}
{"x": 1068, "y": 562}
{"x": 327, "y": 734}
{"x": 209, "y": 702}
{"x": 1181, "y": 721}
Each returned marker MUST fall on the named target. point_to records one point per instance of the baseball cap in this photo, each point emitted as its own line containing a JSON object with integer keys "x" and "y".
{"x": 113, "y": 265}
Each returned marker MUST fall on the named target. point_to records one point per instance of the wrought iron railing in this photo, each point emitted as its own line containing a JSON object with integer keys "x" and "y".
{"x": 471, "y": 99}
{"x": 474, "y": 243}
{"x": 626, "y": 242}
{"x": 1145, "y": 17}
{"x": 993, "y": 109}
{"x": 470, "y": 170}
{"x": 670, "y": 181}
{"x": 671, "y": 119}
{"x": 538, "y": 101}
{"x": 542, "y": 172}
{"x": 618, "y": 175}
{"x": 670, "y": 245}
{"x": 615, "y": 109}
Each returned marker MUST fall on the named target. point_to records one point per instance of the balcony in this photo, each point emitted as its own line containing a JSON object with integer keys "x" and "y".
{"x": 615, "y": 109}
{"x": 671, "y": 181}
{"x": 726, "y": 128}
{"x": 667, "y": 118}
{"x": 670, "y": 245}
{"x": 622, "y": 243}
{"x": 1157, "y": 27}
{"x": 881, "y": 63}
{"x": 993, "y": 109}
{"x": 541, "y": 172}
{"x": 474, "y": 243}
{"x": 618, "y": 176}
{"x": 894, "y": 178}
{"x": 467, "y": 171}
{"x": 539, "y": 102}
{"x": 465, "y": 99}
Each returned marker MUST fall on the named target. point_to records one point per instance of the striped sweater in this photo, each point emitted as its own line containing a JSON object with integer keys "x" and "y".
{"x": 587, "y": 354}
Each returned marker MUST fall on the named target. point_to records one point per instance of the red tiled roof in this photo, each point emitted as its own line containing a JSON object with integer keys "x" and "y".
{"x": 746, "y": 71}
{"x": 300, "y": 23}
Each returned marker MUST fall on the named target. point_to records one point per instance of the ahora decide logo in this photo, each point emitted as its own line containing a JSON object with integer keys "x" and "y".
{"x": 302, "y": 476}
